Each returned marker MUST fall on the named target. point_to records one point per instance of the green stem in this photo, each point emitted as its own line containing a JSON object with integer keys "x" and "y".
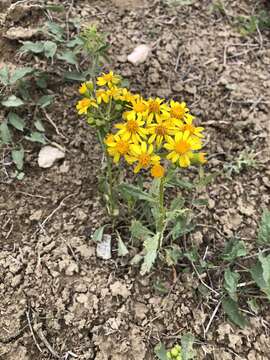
{"x": 162, "y": 213}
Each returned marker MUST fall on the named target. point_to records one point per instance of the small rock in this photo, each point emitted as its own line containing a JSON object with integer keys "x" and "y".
{"x": 104, "y": 248}
{"x": 48, "y": 155}
{"x": 36, "y": 215}
{"x": 19, "y": 32}
{"x": 139, "y": 54}
{"x": 140, "y": 310}
{"x": 16, "y": 280}
{"x": 118, "y": 288}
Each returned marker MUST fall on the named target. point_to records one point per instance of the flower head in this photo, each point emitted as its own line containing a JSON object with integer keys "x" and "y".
{"x": 178, "y": 110}
{"x": 84, "y": 104}
{"x": 138, "y": 109}
{"x": 181, "y": 148}
{"x": 102, "y": 95}
{"x": 157, "y": 170}
{"x": 114, "y": 92}
{"x": 156, "y": 109}
{"x": 108, "y": 79}
{"x": 143, "y": 155}
{"x": 117, "y": 147}
{"x": 187, "y": 125}
{"x": 159, "y": 130}
{"x": 132, "y": 130}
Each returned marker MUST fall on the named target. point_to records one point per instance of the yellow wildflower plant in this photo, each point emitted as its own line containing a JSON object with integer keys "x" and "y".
{"x": 108, "y": 79}
{"x": 127, "y": 96}
{"x": 181, "y": 148}
{"x": 156, "y": 109}
{"x": 85, "y": 87}
{"x": 143, "y": 154}
{"x": 117, "y": 147}
{"x": 84, "y": 104}
{"x": 132, "y": 130}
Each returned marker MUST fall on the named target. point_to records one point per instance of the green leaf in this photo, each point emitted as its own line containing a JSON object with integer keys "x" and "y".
{"x": 264, "y": 229}
{"x": 34, "y": 47}
{"x": 136, "y": 259}
{"x": 20, "y": 73}
{"x": 49, "y": 49}
{"x": 74, "y": 42}
{"x": 12, "y": 101}
{"x": 182, "y": 184}
{"x": 4, "y": 75}
{"x": 253, "y": 305}
{"x": 55, "y": 30}
{"x": 98, "y": 234}
{"x": 16, "y": 121}
{"x": 74, "y": 76}
{"x": 177, "y": 203}
{"x": 257, "y": 275}
{"x": 122, "y": 249}
{"x": 68, "y": 56}
{"x": 173, "y": 254}
{"x": 38, "y": 125}
{"x": 234, "y": 249}
{"x": 5, "y": 133}
{"x": 17, "y": 157}
{"x": 135, "y": 192}
{"x": 36, "y": 137}
{"x": 265, "y": 262}
{"x": 230, "y": 307}
{"x": 55, "y": 8}
{"x": 206, "y": 180}
{"x": 187, "y": 351}
{"x": 231, "y": 280}
{"x": 45, "y": 100}
{"x": 139, "y": 231}
{"x": 150, "y": 248}
{"x": 181, "y": 227}
{"x": 160, "y": 351}
{"x": 20, "y": 175}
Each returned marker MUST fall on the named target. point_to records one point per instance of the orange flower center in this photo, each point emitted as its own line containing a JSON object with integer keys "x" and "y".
{"x": 177, "y": 112}
{"x": 107, "y": 77}
{"x": 144, "y": 160}
{"x": 189, "y": 127}
{"x": 157, "y": 171}
{"x": 85, "y": 102}
{"x": 132, "y": 126}
{"x": 154, "y": 107}
{"x": 139, "y": 107}
{"x": 122, "y": 147}
{"x": 161, "y": 130}
{"x": 182, "y": 147}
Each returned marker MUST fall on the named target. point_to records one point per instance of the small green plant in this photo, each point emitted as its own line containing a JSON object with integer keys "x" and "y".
{"x": 248, "y": 25}
{"x": 245, "y": 160}
{"x": 184, "y": 351}
{"x": 256, "y": 274}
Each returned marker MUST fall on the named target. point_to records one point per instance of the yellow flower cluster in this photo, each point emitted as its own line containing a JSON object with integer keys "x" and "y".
{"x": 151, "y": 130}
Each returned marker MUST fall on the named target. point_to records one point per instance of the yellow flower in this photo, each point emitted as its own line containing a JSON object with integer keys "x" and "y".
{"x": 159, "y": 130}
{"x": 117, "y": 147}
{"x": 83, "y": 89}
{"x": 132, "y": 130}
{"x": 88, "y": 85}
{"x": 114, "y": 92}
{"x": 156, "y": 109}
{"x": 138, "y": 109}
{"x": 126, "y": 95}
{"x": 181, "y": 148}
{"x": 198, "y": 159}
{"x": 84, "y": 104}
{"x": 102, "y": 95}
{"x": 108, "y": 79}
{"x": 178, "y": 110}
{"x": 157, "y": 170}
{"x": 143, "y": 155}
{"x": 188, "y": 125}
